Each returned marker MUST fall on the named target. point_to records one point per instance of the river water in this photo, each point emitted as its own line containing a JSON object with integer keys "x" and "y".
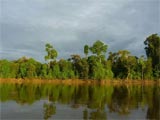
{"x": 48, "y": 101}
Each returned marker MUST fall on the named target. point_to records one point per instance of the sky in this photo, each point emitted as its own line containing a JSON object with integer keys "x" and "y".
{"x": 27, "y": 25}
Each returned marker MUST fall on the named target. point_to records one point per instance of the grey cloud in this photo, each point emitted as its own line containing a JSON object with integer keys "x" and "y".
{"x": 70, "y": 24}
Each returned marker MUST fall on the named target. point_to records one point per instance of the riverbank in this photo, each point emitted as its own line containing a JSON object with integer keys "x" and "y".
{"x": 80, "y": 82}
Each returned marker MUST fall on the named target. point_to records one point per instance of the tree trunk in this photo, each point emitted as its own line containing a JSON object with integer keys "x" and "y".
{"x": 128, "y": 74}
{"x": 142, "y": 73}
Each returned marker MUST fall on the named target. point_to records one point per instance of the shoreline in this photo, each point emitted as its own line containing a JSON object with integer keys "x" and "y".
{"x": 79, "y": 81}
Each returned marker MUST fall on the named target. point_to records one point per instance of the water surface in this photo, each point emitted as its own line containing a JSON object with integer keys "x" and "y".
{"x": 48, "y": 101}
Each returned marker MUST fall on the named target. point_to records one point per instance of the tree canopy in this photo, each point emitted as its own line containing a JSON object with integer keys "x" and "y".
{"x": 119, "y": 65}
{"x": 153, "y": 52}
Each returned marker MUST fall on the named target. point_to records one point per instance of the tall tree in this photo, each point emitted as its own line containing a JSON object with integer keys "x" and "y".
{"x": 153, "y": 50}
{"x": 86, "y": 50}
{"x": 148, "y": 71}
{"x": 96, "y": 68}
{"x": 51, "y": 53}
{"x": 123, "y": 64}
{"x": 99, "y": 48}
{"x": 75, "y": 59}
{"x": 82, "y": 68}
{"x": 142, "y": 65}
{"x": 66, "y": 70}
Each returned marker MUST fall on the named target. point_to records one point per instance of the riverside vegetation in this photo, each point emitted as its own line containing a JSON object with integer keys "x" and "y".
{"x": 95, "y": 66}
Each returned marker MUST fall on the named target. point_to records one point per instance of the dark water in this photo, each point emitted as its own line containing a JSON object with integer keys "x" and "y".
{"x": 48, "y": 101}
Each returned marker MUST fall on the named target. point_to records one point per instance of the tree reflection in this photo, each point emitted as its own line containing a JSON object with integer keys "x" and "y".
{"x": 97, "y": 96}
{"x": 154, "y": 108}
{"x": 120, "y": 100}
{"x": 94, "y": 115}
{"x": 49, "y": 110}
{"x": 85, "y": 114}
{"x": 98, "y": 115}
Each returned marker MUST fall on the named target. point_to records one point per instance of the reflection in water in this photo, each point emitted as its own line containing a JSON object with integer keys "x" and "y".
{"x": 85, "y": 114}
{"x": 154, "y": 105}
{"x": 49, "y": 110}
{"x": 98, "y": 115}
{"x": 96, "y": 100}
{"x": 120, "y": 100}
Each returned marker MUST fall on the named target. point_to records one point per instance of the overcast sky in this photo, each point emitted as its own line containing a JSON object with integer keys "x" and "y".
{"x": 27, "y": 25}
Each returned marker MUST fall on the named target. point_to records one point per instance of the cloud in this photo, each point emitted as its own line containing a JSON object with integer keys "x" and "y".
{"x": 26, "y": 25}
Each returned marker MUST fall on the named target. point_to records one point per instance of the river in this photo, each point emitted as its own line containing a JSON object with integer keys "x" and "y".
{"x": 48, "y": 101}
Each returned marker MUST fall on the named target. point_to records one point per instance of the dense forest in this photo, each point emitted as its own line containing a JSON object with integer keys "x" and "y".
{"x": 118, "y": 65}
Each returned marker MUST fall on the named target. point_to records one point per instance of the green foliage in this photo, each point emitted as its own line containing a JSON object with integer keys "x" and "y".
{"x": 108, "y": 70}
{"x": 126, "y": 66}
{"x": 122, "y": 63}
{"x": 153, "y": 51}
{"x": 96, "y": 69}
{"x": 142, "y": 66}
{"x": 5, "y": 69}
{"x": 119, "y": 64}
{"x": 75, "y": 60}
{"x": 51, "y": 53}
{"x": 43, "y": 72}
{"x": 86, "y": 50}
{"x": 82, "y": 68}
{"x": 31, "y": 69}
{"x": 66, "y": 69}
{"x": 56, "y": 71}
{"x": 153, "y": 48}
{"x": 148, "y": 74}
{"x": 22, "y": 70}
{"x": 98, "y": 48}
{"x": 14, "y": 70}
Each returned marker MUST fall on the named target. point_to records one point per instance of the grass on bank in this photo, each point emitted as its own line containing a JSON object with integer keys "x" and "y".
{"x": 80, "y": 81}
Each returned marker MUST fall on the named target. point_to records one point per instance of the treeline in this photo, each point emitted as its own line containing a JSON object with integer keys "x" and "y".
{"x": 118, "y": 65}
